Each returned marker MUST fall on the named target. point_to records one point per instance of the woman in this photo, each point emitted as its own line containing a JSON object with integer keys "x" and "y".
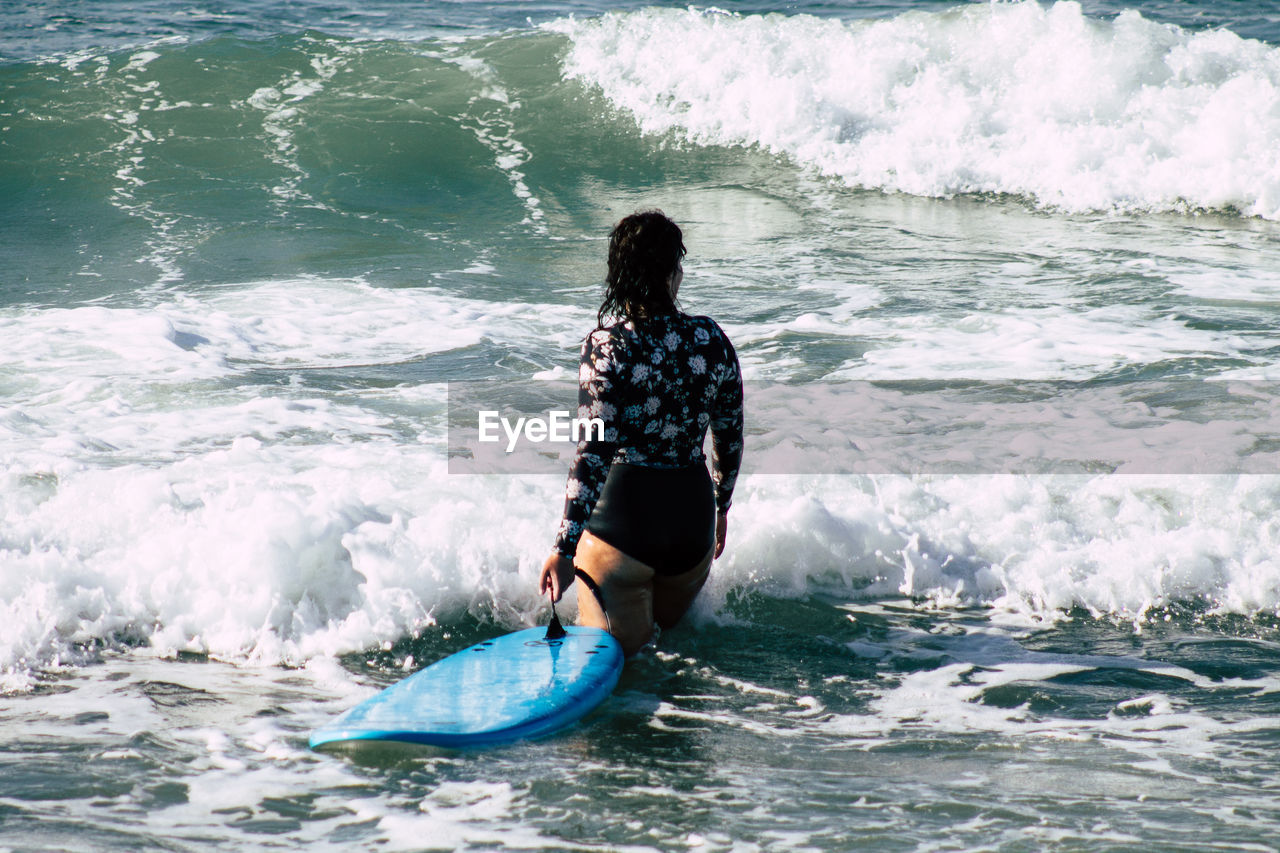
{"x": 642, "y": 519}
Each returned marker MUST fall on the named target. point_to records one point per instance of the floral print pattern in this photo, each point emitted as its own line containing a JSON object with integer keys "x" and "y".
{"x": 658, "y": 384}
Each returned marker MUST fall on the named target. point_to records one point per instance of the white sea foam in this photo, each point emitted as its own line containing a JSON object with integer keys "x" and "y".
{"x": 1032, "y": 545}
{"x": 1016, "y": 343}
{"x": 132, "y": 150}
{"x": 157, "y": 489}
{"x": 283, "y": 106}
{"x": 152, "y": 492}
{"x": 1020, "y": 98}
{"x": 1149, "y": 733}
{"x": 489, "y": 116}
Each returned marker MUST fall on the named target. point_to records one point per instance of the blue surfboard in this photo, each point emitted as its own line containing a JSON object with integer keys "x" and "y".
{"x": 521, "y": 685}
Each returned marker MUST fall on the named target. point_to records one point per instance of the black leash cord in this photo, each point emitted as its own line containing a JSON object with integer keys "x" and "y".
{"x": 595, "y": 588}
{"x": 555, "y": 630}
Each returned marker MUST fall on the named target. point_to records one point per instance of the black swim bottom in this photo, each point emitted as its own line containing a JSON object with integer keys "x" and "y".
{"x": 663, "y": 517}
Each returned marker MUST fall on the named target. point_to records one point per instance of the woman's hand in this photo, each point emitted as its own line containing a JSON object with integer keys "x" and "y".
{"x": 557, "y": 575}
{"x": 722, "y": 528}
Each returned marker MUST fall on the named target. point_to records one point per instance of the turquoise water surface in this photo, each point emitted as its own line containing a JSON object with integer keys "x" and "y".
{"x": 245, "y": 250}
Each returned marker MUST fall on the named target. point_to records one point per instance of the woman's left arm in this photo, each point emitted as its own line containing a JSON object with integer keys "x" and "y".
{"x": 726, "y": 431}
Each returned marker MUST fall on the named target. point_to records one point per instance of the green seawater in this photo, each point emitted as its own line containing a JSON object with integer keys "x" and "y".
{"x": 809, "y": 725}
{"x": 242, "y": 251}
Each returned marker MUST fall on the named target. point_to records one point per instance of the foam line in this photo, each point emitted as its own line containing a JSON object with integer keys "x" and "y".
{"x": 1033, "y": 100}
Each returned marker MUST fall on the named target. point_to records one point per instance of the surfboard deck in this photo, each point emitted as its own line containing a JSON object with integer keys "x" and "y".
{"x": 517, "y": 686}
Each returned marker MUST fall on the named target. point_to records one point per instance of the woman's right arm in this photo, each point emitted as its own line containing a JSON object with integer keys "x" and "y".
{"x": 596, "y": 394}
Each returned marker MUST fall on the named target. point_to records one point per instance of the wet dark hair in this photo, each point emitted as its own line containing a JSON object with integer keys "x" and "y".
{"x": 645, "y": 249}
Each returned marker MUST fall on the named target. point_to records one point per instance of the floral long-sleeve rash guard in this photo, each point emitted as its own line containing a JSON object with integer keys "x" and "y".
{"x": 657, "y": 384}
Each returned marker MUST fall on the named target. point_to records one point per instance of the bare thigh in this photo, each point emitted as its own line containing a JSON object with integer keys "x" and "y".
{"x": 673, "y": 595}
{"x": 635, "y": 595}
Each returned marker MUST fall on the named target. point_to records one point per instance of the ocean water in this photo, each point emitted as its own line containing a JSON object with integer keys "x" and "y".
{"x": 245, "y": 249}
